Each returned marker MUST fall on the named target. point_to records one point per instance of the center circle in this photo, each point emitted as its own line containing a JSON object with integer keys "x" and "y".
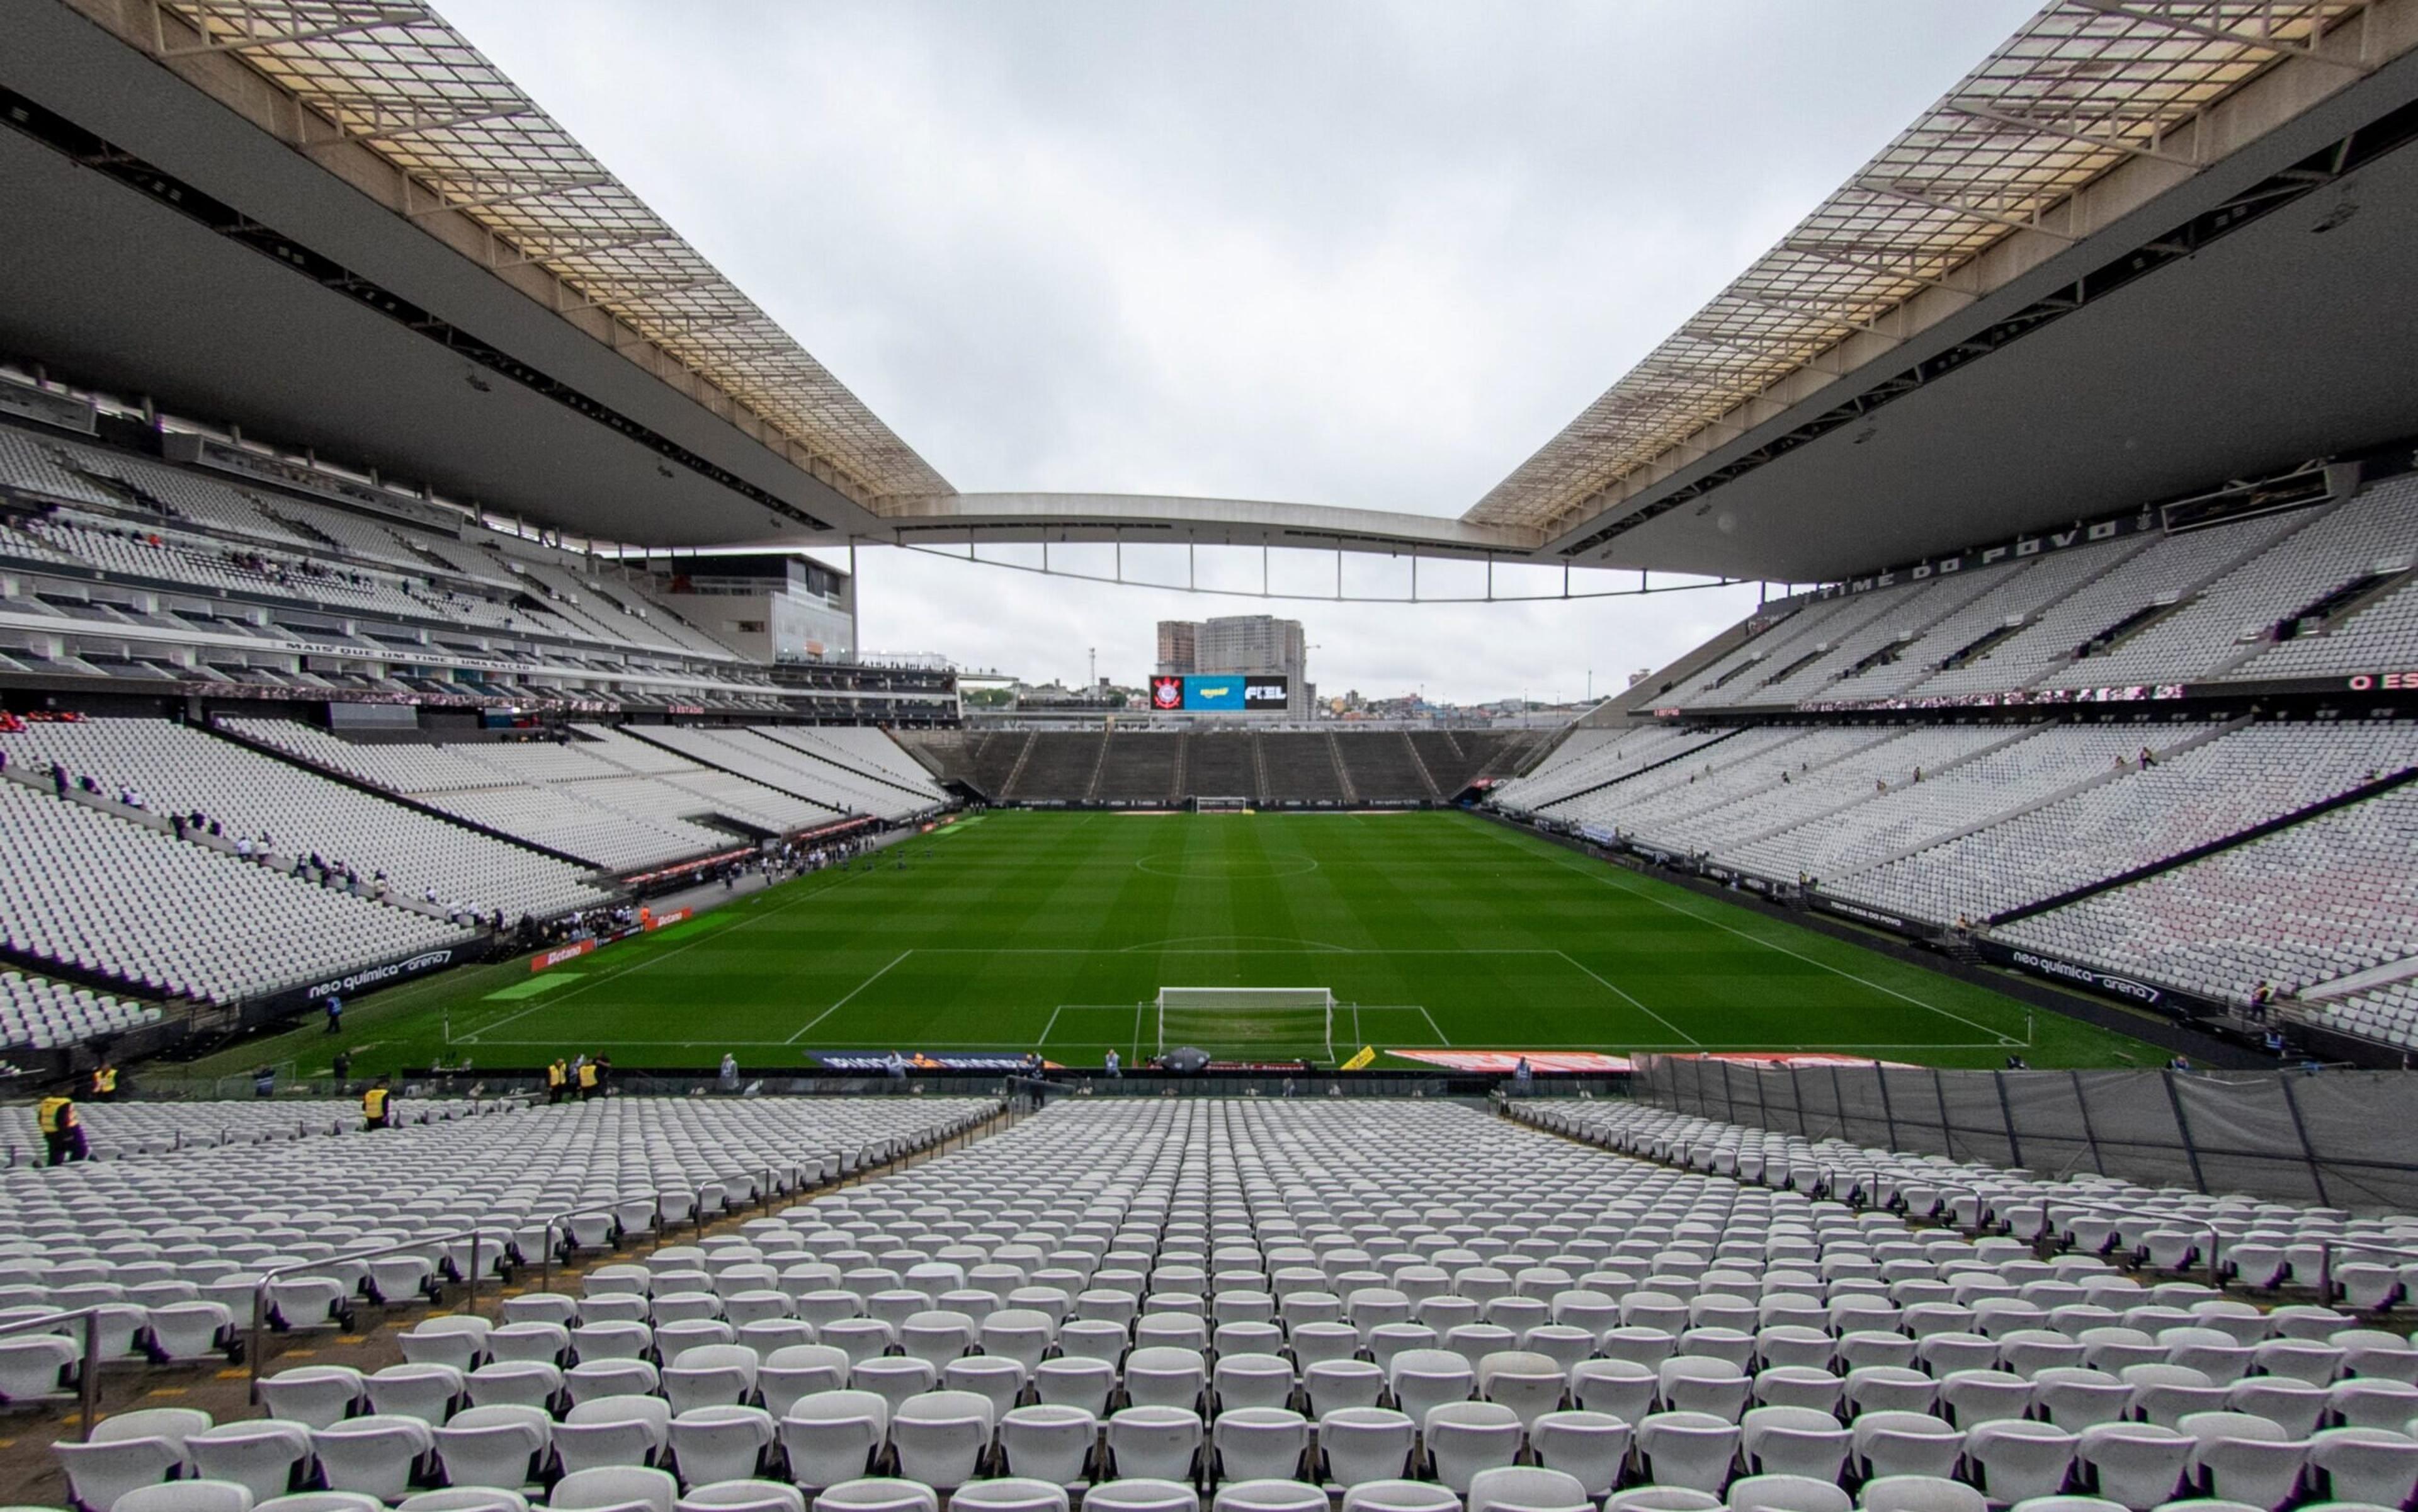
{"x": 1224, "y": 868}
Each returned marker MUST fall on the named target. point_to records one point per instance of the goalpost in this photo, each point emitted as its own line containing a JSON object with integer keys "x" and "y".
{"x": 1203, "y": 804}
{"x": 1247, "y": 1019}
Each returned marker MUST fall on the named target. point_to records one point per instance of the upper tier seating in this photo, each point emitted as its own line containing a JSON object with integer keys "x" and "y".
{"x": 2308, "y": 591}
{"x": 1995, "y": 600}
{"x": 180, "y": 770}
{"x": 2164, "y": 570}
{"x": 2377, "y": 531}
{"x": 2377, "y": 629}
{"x": 138, "y": 569}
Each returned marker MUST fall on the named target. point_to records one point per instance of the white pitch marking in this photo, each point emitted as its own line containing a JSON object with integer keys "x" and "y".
{"x": 844, "y": 1001}
{"x": 1632, "y": 1001}
{"x": 1611, "y": 881}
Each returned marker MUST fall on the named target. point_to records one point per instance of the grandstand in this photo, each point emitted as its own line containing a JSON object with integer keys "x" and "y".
{"x": 1396, "y": 1305}
{"x": 1273, "y": 769}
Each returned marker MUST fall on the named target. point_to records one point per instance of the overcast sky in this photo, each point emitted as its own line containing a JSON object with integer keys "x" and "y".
{"x": 1367, "y": 254}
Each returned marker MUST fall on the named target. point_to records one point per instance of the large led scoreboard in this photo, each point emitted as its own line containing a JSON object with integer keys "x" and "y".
{"x": 1254, "y": 693}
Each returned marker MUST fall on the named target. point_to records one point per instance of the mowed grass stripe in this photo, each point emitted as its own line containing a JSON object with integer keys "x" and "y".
{"x": 1503, "y": 942}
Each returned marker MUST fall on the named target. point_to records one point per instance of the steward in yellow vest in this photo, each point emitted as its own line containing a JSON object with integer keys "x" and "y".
{"x": 62, "y": 1130}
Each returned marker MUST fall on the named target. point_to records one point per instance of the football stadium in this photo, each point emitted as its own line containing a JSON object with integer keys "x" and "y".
{"x": 506, "y": 1003}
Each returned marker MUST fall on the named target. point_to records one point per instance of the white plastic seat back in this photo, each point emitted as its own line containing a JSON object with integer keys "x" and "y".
{"x": 616, "y": 1486}
{"x": 188, "y": 1496}
{"x": 1363, "y": 1445}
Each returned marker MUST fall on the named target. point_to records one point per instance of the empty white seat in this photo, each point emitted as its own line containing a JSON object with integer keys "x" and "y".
{"x": 743, "y": 1496}
{"x": 723, "y": 1442}
{"x": 259, "y": 1456}
{"x": 617, "y": 1487}
{"x": 832, "y": 1436}
{"x": 2136, "y": 1465}
{"x": 1154, "y": 1443}
{"x": 1141, "y": 1494}
{"x": 373, "y": 1454}
{"x": 1364, "y": 1444}
{"x": 1787, "y": 1493}
{"x": 1590, "y": 1447}
{"x": 1523, "y": 1489}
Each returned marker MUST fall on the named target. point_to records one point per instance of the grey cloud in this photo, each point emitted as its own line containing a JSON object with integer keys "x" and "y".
{"x": 1352, "y": 254}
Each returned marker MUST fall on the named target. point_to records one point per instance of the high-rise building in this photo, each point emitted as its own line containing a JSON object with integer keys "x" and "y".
{"x": 1243, "y": 644}
{"x": 1178, "y": 647}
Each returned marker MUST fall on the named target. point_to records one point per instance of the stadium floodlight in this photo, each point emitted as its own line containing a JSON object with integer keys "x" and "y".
{"x": 1267, "y": 1019}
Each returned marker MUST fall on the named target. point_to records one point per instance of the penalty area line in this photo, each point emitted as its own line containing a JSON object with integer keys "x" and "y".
{"x": 1559, "y": 858}
{"x": 844, "y": 1001}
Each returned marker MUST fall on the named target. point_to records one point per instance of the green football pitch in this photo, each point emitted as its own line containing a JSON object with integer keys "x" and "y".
{"x": 1054, "y": 932}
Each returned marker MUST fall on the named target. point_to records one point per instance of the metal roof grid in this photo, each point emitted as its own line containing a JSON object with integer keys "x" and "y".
{"x": 393, "y": 76}
{"x": 2084, "y": 86}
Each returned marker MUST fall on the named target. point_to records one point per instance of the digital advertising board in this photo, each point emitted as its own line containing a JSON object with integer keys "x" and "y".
{"x": 1237, "y": 693}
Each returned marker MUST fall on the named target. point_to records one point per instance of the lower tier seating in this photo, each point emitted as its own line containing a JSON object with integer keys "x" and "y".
{"x": 1415, "y": 1308}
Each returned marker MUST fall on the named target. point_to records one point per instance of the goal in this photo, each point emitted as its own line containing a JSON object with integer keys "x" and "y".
{"x": 1272, "y": 1019}
{"x": 1204, "y": 804}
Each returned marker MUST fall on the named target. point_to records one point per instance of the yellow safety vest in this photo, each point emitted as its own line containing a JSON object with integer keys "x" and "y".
{"x": 54, "y": 1113}
{"x": 373, "y": 1103}
{"x": 588, "y": 1075}
{"x": 104, "y": 1081}
{"x": 554, "y": 1074}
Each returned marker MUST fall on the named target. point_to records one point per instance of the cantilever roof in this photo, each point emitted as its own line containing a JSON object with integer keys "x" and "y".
{"x": 2085, "y": 86}
{"x": 396, "y": 78}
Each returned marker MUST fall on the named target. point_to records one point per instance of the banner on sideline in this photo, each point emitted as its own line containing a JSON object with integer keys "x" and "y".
{"x": 1361, "y": 1061}
{"x": 669, "y": 918}
{"x": 876, "y": 1062}
{"x": 1797, "y": 1058}
{"x": 1504, "y": 1063}
{"x": 561, "y": 954}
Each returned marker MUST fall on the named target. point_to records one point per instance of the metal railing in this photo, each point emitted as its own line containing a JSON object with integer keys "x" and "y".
{"x": 259, "y": 1330}
{"x": 89, "y": 1373}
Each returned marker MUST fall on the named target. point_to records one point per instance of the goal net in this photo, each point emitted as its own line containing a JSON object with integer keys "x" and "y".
{"x": 1270, "y": 1020}
{"x": 1206, "y": 804}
